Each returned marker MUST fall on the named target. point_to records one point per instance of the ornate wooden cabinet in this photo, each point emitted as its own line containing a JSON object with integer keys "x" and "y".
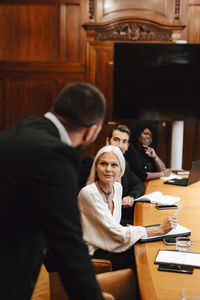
{"x": 127, "y": 21}
{"x": 135, "y": 22}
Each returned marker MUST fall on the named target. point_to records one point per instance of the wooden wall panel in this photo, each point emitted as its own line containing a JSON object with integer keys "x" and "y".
{"x": 196, "y": 143}
{"x": 29, "y": 32}
{"x": 42, "y": 48}
{"x": 29, "y": 97}
{"x": 100, "y": 71}
{"x": 2, "y": 104}
{"x": 43, "y": 34}
{"x": 165, "y": 12}
{"x": 193, "y": 31}
{"x": 72, "y": 32}
{"x": 191, "y": 142}
{"x": 115, "y": 8}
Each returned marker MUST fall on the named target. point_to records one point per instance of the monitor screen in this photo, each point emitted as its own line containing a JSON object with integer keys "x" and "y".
{"x": 156, "y": 81}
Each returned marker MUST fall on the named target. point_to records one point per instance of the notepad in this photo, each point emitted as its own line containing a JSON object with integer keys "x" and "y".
{"x": 178, "y": 231}
{"x": 171, "y": 176}
{"x": 178, "y": 258}
{"x": 158, "y": 198}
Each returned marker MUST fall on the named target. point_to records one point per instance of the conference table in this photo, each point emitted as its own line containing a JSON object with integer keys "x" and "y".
{"x": 159, "y": 285}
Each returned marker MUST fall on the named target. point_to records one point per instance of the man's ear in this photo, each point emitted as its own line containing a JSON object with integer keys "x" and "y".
{"x": 107, "y": 141}
{"x": 89, "y": 133}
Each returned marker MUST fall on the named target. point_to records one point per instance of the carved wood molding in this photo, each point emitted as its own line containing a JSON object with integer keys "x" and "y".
{"x": 91, "y": 10}
{"x": 177, "y": 10}
{"x": 133, "y": 30}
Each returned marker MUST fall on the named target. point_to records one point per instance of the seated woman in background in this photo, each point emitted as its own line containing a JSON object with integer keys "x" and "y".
{"x": 100, "y": 206}
{"x": 141, "y": 155}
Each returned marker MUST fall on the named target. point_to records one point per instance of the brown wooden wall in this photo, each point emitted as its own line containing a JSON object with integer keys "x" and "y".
{"x": 42, "y": 49}
{"x": 46, "y": 44}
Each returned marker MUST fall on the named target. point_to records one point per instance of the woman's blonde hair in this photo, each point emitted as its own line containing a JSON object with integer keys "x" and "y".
{"x": 93, "y": 174}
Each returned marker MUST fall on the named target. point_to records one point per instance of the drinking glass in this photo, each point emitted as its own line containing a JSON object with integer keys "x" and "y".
{"x": 183, "y": 244}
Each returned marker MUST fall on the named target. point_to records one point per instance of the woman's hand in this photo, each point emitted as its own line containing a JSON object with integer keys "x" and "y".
{"x": 160, "y": 165}
{"x": 150, "y": 151}
{"x": 165, "y": 173}
{"x": 127, "y": 201}
{"x": 168, "y": 224}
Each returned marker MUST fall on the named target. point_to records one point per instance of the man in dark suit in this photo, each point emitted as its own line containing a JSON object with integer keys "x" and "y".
{"x": 133, "y": 186}
{"x": 39, "y": 163}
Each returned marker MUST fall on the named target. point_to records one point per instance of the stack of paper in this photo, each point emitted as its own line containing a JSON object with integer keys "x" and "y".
{"x": 179, "y": 258}
{"x": 158, "y": 198}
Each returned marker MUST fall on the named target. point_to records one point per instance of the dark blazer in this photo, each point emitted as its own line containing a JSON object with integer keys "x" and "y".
{"x": 39, "y": 212}
{"x": 139, "y": 162}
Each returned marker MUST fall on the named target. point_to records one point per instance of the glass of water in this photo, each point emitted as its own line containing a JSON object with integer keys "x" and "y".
{"x": 183, "y": 244}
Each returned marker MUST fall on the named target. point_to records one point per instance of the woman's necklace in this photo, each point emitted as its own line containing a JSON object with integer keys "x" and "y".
{"x": 107, "y": 194}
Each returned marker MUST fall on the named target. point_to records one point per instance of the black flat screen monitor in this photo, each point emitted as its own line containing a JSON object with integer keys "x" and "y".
{"x": 156, "y": 82}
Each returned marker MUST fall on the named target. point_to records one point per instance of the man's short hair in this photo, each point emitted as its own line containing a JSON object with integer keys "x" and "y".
{"x": 80, "y": 105}
{"x": 120, "y": 127}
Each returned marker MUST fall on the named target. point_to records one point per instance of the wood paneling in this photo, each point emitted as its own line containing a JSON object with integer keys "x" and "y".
{"x": 29, "y": 96}
{"x": 193, "y": 32}
{"x": 191, "y": 142}
{"x": 30, "y": 32}
{"x": 100, "y": 71}
{"x": 2, "y": 104}
{"x": 72, "y": 32}
{"x": 45, "y": 33}
{"x": 164, "y": 11}
{"x": 42, "y": 48}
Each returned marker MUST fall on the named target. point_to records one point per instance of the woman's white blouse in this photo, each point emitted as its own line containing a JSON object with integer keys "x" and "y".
{"x": 101, "y": 229}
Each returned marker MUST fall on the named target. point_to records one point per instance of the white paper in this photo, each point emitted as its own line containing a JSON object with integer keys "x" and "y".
{"x": 159, "y": 198}
{"x": 178, "y": 231}
{"x": 176, "y": 257}
{"x": 171, "y": 176}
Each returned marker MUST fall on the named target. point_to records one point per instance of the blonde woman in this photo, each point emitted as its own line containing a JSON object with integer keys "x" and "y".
{"x": 100, "y": 206}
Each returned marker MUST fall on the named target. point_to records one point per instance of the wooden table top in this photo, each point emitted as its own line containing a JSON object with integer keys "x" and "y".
{"x": 154, "y": 284}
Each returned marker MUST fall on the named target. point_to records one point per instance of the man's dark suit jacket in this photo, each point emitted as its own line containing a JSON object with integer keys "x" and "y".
{"x": 132, "y": 185}
{"x": 39, "y": 212}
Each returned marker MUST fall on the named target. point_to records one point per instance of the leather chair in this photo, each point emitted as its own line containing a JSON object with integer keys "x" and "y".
{"x": 120, "y": 284}
{"x": 102, "y": 265}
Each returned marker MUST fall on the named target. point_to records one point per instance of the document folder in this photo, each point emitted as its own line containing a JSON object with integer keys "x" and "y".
{"x": 178, "y": 231}
{"x": 178, "y": 258}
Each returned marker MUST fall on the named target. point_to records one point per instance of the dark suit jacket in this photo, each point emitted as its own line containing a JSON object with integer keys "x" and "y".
{"x": 39, "y": 212}
{"x": 140, "y": 163}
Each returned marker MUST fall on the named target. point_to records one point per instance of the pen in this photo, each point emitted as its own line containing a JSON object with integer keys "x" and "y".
{"x": 178, "y": 209}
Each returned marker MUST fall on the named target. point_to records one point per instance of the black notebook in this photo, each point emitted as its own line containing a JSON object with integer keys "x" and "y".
{"x": 178, "y": 231}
